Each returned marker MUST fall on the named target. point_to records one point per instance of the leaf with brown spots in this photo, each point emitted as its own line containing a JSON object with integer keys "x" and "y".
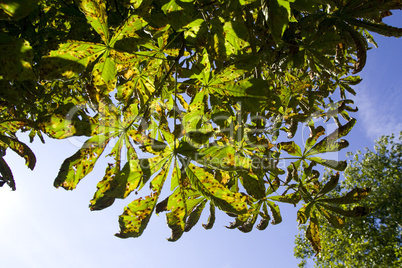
{"x": 136, "y": 215}
{"x": 81, "y": 163}
{"x": 6, "y": 174}
{"x": 20, "y": 148}
{"x": 195, "y": 213}
{"x": 104, "y": 73}
{"x": 176, "y": 217}
{"x": 205, "y": 183}
{"x": 303, "y": 214}
{"x": 70, "y": 60}
{"x": 330, "y": 143}
{"x": 128, "y": 29}
{"x": 334, "y": 220}
{"x": 275, "y": 211}
{"x": 337, "y": 165}
{"x": 353, "y": 196}
{"x": 290, "y": 147}
{"x": 329, "y": 186}
{"x": 313, "y": 234}
{"x": 95, "y": 12}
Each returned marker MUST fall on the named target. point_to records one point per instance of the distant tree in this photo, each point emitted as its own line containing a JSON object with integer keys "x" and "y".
{"x": 200, "y": 95}
{"x": 376, "y": 239}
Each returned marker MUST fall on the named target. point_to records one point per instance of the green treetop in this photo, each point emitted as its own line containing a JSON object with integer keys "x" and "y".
{"x": 376, "y": 239}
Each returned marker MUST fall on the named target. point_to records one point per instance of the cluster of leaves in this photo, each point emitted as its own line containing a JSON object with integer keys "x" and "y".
{"x": 376, "y": 238}
{"x": 197, "y": 93}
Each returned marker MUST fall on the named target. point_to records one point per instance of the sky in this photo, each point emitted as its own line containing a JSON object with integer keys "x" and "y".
{"x": 41, "y": 226}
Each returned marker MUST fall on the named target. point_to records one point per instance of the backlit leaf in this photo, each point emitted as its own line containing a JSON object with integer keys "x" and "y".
{"x": 254, "y": 185}
{"x": 304, "y": 213}
{"x": 95, "y": 12}
{"x": 220, "y": 196}
{"x": 20, "y": 148}
{"x": 353, "y": 196}
{"x": 290, "y": 147}
{"x": 293, "y": 198}
{"x": 275, "y": 211}
{"x": 329, "y": 144}
{"x": 195, "y": 214}
{"x": 6, "y": 174}
{"x": 128, "y": 29}
{"x": 136, "y": 215}
{"x": 313, "y": 234}
{"x": 176, "y": 218}
{"x": 81, "y": 163}
{"x": 70, "y": 59}
{"x": 355, "y": 212}
{"x": 211, "y": 218}
{"x": 330, "y": 185}
{"x": 337, "y": 165}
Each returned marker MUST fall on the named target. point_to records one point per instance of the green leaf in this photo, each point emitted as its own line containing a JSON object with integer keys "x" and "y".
{"x": 235, "y": 34}
{"x": 136, "y": 215}
{"x": 95, "y": 12}
{"x": 6, "y": 174}
{"x": 70, "y": 59}
{"x": 305, "y": 5}
{"x": 179, "y": 13}
{"x": 221, "y": 197}
{"x": 195, "y": 214}
{"x": 81, "y": 163}
{"x": 329, "y": 144}
{"x": 329, "y": 186}
{"x": 223, "y": 158}
{"x": 211, "y": 218}
{"x": 276, "y": 213}
{"x": 265, "y": 218}
{"x": 246, "y": 88}
{"x": 334, "y": 220}
{"x": 128, "y": 29}
{"x": 69, "y": 121}
{"x": 313, "y": 235}
{"x": 337, "y": 165}
{"x": 382, "y": 29}
{"x": 353, "y": 196}
{"x": 104, "y": 71}
{"x": 355, "y": 212}
{"x": 176, "y": 218}
{"x": 315, "y": 133}
{"x": 118, "y": 183}
{"x": 276, "y": 14}
{"x": 200, "y": 137}
{"x": 247, "y": 226}
{"x": 20, "y": 148}
{"x": 290, "y": 147}
{"x": 293, "y": 198}
{"x": 304, "y": 213}
{"x": 254, "y": 185}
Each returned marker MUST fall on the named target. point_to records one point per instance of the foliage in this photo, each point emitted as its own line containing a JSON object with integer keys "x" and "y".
{"x": 374, "y": 240}
{"x": 198, "y": 94}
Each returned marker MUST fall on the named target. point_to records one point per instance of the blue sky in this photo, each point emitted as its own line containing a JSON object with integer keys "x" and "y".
{"x": 41, "y": 226}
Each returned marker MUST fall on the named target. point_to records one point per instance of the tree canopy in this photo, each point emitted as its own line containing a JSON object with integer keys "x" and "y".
{"x": 205, "y": 96}
{"x": 375, "y": 239}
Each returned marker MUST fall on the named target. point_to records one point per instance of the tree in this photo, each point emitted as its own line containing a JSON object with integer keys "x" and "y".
{"x": 374, "y": 240}
{"x": 197, "y": 94}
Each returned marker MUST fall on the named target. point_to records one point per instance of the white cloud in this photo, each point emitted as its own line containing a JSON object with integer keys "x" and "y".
{"x": 379, "y": 110}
